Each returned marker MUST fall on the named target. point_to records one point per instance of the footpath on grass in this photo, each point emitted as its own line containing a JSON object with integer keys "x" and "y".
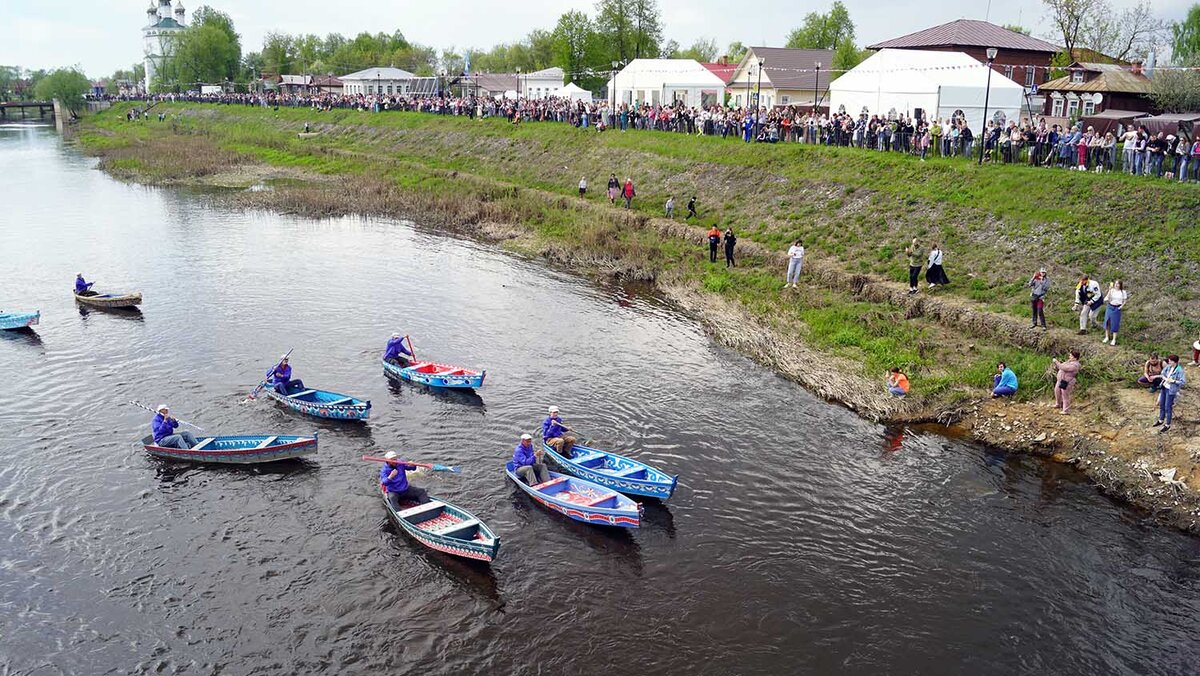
{"x": 852, "y": 318}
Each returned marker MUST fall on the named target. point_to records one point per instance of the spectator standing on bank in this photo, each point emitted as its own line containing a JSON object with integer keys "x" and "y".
{"x": 795, "y": 263}
{"x": 614, "y": 188}
{"x": 916, "y": 260}
{"x": 1064, "y": 384}
{"x": 1039, "y": 286}
{"x": 1115, "y": 300}
{"x": 583, "y": 186}
{"x": 714, "y": 240}
{"x": 628, "y": 192}
{"x": 670, "y": 206}
{"x": 691, "y": 206}
{"x": 1088, "y": 299}
{"x": 1173, "y": 380}
{"x": 730, "y": 243}
{"x": 935, "y": 274}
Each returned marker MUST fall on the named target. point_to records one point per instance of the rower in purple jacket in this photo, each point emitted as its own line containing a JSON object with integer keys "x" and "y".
{"x": 281, "y": 377}
{"x": 82, "y": 287}
{"x": 393, "y": 476}
{"x": 163, "y": 426}
{"x": 396, "y": 352}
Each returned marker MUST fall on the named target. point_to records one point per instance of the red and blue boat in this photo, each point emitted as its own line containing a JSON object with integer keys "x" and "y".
{"x": 581, "y": 500}
{"x": 445, "y": 528}
{"x": 320, "y": 403}
{"x": 617, "y": 472}
{"x": 12, "y": 321}
{"x": 436, "y": 375}
{"x": 239, "y": 449}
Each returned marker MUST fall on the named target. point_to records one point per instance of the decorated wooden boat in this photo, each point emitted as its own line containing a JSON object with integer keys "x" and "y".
{"x": 446, "y": 528}
{"x": 436, "y": 375}
{"x": 239, "y": 449}
{"x": 19, "y": 320}
{"x": 110, "y": 300}
{"x": 617, "y": 472}
{"x": 320, "y": 403}
{"x": 582, "y": 500}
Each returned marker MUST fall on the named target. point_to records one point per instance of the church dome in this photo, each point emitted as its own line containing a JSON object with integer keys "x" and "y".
{"x": 179, "y": 7}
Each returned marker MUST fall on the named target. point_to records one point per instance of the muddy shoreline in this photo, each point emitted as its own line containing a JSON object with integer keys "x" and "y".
{"x": 1107, "y": 437}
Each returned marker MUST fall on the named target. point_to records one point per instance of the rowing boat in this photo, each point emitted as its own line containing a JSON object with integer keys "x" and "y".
{"x": 446, "y": 528}
{"x": 19, "y": 320}
{"x": 242, "y": 449}
{"x": 617, "y": 472}
{"x": 110, "y": 300}
{"x": 581, "y": 500}
{"x": 321, "y": 403}
{"x": 436, "y": 375}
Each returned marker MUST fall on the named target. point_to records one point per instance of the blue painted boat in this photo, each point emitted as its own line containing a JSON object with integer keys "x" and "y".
{"x": 436, "y": 375}
{"x": 582, "y": 500}
{"x": 617, "y": 472}
{"x": 19, "y": 320}
{"x": 243, "y": 449}
{"x": 446, "y": 528}
{"x": 320, "y": 403}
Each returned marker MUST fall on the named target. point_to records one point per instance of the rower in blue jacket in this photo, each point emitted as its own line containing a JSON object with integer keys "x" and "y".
{"x": 82, "y": 287}
{"x": 393, "y": 476}
{"x": 527, "y": 463}
{"x": 163, "y": 427}
{"x": 281, "y": 377}
{"x": 554, "y": 433}
{"x": 396, "y": 352}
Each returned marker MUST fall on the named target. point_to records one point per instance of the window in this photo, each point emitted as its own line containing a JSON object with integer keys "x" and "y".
{"x": 370, "y": 89}
{"x": 389, "y": 89}
{"x": 1077, "y": 76}
{"x": 1072, "y": 108}
{"x": 1058, "y": 108}
{"x": 1089, "y": 108}
{"x": 1008, "y": 72}
{"x": 1030, "y": 75}
{"x": 785, "y": 99}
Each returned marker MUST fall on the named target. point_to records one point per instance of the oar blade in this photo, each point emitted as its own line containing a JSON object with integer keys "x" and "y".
{"x": 446, "y": 468}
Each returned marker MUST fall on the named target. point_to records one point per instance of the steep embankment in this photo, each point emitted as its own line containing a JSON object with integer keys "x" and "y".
{"x": 854, "y": 210}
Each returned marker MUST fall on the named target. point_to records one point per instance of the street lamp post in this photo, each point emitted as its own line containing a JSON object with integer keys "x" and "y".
{"x": 612, "y": 114}
{"x": 758, "y": 98}
{"x": 821, "y": 94}
{"x": 991, "y": 56}
{"x": 518, "y": 84}
{"x": 749, "y": 69}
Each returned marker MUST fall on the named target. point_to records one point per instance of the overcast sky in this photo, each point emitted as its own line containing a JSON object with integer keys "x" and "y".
{"x": 103, "y": 35}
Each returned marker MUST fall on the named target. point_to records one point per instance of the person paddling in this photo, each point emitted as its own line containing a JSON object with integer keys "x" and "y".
{"x": 82, "y": 286}
{"x": 281, "y": 377}
{"x": 397, "y": 353}
{"x": 528, "y": 462}
{"x": 554, "y": 433}
{"x": 393, "y": 478}
{"x": 163, "y": 427}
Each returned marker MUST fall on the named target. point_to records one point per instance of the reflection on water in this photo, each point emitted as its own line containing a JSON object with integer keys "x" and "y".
{"x": 801, "y": 539}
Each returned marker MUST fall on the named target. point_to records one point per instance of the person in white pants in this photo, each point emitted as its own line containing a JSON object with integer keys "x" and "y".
{"x": 1088, "y": 300}
{"x": 795, "y": 263}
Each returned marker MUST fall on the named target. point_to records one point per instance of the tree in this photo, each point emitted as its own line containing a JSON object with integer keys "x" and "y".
{"x": 704, "y": 50}
{"x": 1177, "y": 91}
{"x": 735, "y": 51}
{"x": 823, "y": 31}
{"x": 632, "y": 29}
{"x": 1093, "y": 24}
{"x": 845, "y": 57}
{"x": 1016, "y": 28}
{"x": 209, "y": 51}
{"x": 68, "y": 85}
{"x": 574, "y": 41}
{"x": 1186, "y": 36}
{"x": 10, "y": 82}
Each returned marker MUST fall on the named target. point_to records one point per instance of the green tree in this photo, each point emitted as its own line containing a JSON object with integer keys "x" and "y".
{"x": 1094, "y": 24}
{"x": 209, "y": 51}
{"x": 1177, "y": 91}
{"x": 574, "y": 42}
{"x": 1186, "y": 36}
{"x": 10, "y": 82}
{"x": 68, "y": 85}
{"x": 704, "y": 50}
{"x": 1016, "y": 28}
{"x": 631, "y": 29}
{"x": 823, "y": 31}
{"x": 846, "y": 56}
{"x": 735, "y": 51}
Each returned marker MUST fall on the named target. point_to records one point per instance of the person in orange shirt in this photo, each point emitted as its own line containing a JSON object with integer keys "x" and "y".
{"x": 897, "y": 383}
{"x": 714, "y": 240}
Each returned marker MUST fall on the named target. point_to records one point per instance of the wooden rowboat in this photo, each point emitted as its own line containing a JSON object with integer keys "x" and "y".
{"x": 446, "y": 528}
{"x": 321, "y": 403}
{"x": 582, "y": 500}
{"x": 617, "y": 472}
{"x": 239, "y": 449}
{"x": 436, "y": 375}
{"x": 19, "y": 320}
{"x": 110, "y": 300}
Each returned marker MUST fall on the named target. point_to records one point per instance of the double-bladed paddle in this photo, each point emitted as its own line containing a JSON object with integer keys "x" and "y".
{"x": 183, "y": 422}
{"x": 395, "y": 461}
{"x": 254, "y": 393}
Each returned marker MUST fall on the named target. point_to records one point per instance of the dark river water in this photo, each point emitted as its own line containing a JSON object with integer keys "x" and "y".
{"x": 802, "y": 539}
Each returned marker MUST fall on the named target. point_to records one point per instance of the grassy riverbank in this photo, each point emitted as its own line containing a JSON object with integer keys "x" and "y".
{"x": 855, "y": 211}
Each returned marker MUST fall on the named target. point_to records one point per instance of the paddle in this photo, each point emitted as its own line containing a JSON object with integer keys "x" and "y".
{"x": 184, "y": 422}
{"x": 411, "y": 348}
{"x": 254, "y": 393}
{"x": 433, "y": 466}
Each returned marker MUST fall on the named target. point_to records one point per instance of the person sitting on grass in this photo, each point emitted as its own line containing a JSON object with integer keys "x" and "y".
{"x": 1004, "y": 383}
{"x": 897, "y": 383}
{"x": 1152, "y": 373}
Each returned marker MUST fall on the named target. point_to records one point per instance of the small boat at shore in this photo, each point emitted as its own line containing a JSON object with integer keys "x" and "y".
{"x": 445, "y": 528}
{"x": 11, "y": 321}
{"x": 321, "y": 403}
{"x": 110, "y": 300}
{"x": 436, "y": 375}
{"x": 581, "y": 500}
{"x": 240, "y": 449}
{"x": 617, "y": 472}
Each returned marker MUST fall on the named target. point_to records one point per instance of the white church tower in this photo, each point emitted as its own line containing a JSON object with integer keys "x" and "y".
{"x": 163, "y": 24}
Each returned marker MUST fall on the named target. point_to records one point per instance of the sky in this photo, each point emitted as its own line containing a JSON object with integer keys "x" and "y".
{"x": 103, "y": 35}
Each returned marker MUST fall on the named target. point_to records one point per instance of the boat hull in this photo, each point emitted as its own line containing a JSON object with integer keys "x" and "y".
{"x": 654, "y": 483}
{"x": 433, "y": 529}
{"x": 323, "y": 404}
{"x": 111, "y": 300}
{"x": 572, "y": 503}
{"x": 10, "y": 321}
{"x": 437, "y": 375}
{"x": 238, "y": 450}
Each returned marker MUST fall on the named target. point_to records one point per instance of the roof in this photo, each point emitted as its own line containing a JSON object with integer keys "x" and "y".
{"x": 1114, "y": 114}
{"x": 969, "y": 33}
{"x": 653, "y": 73}
{"x": 917, "y": 70}
{"x": 496, "y": 82}
{"x": 725, "y": 71}
{"x": 166, "y": 22}
{"x": 791, "y": 68}
{"x": 295, "y": 80}
{"x": 545, "y": 74}
{"x": 379, "y": 73}
{"x": 1111, "y": 78}
{"x": 326, "y": 81}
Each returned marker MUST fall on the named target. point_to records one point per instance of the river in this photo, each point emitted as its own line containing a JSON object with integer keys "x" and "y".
{"x": 802, "y": 539}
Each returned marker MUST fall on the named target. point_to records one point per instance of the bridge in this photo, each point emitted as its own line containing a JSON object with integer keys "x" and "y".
{"x": 8, "y": 109}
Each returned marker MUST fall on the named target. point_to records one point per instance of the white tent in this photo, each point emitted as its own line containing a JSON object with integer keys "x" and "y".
{"x": 667, "y": 81}
{"x": 940, "y": 84}
{"x": 575, "y": 93}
